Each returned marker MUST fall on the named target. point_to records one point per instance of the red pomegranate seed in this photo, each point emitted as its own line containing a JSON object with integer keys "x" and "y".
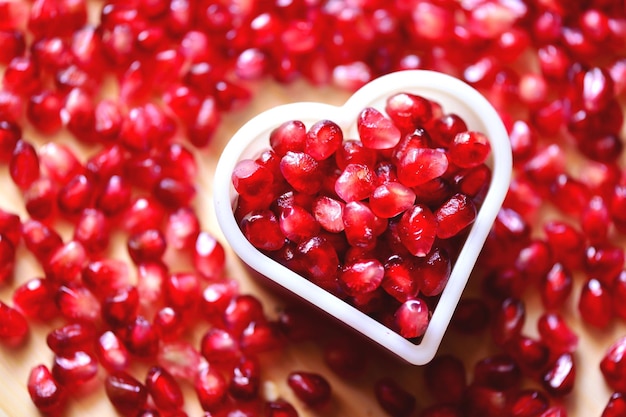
{"x": 216, "y": 296}
{"x": 218, "y": 345}
{"x": 74, "y": 368}
{"x": 71, "y": 337}
{"x": 594, "y": 303}
{"x": 345, "y": 357}
{"x": 408, "y": 111}
{"x": 612, "y": 365}
{"x": 618, "y": 289}
{"x": 279, "y": 408}
{"x": 115, "y": 196}
{"x": 446, "y": 379}
{"x": 245, "y": 380}
{"x": 417, "y": 230}
{"x": 262, "y": 229}
{"x": 297, "y": 224}
{"x": 615, "y": 406}
{"x": 377, "y": 131}
{"x": 182, "y": 290}
{"x": 76, "y": 302}
{"x": 482, "y": 401}
{"x": 420, "y": 165}
{"x": 111, "y": 352}
{"x": 566, "y": 242}
{"x": 120, "y": 308}
{"x": 391, "y": 199}
{"x": 310, "y": 388}
{"x": 7, "y": 259}
{"x": 211, "y": 388}
{"x": 362, "y": 276}
{"x": 141, "y": 338}
{"x": 559, "y": 379}
{"x": 471, "y": 316}
{"x": 45, "y": 392}
{"x": 355, "y": 183}
{"x": 164, "y": 390}
{"x": 498, "y": 372}
{"x": 532, "y": 355}
{"x": 454, "y": 215}
{"x": 24, "y": 164}
{"x": 34, "y": 299}
{"x": 40, "y": 199}
{"x": 75, "y": 195}
{"x": 323, "y": 139}
{"x": 10, "y": 134}
{"x": 393, "y": 398}
{"x": 14, "y": 329}
{"x": 557, "y": 334}
{"x": 92, "y": 231}
{"x": 180, "y": 359}
{"x": 146, "y": 246}
{"x": 529, "y": 402}
{"x": 126, "y": 394}
{"x": 433, "y": 272}
{"x": 412, "y": 317}
{"x": 43, "y": 111}
{"x": 508, "y": 320}
{"x": 556, "y": 286}
{"x": 65, "y": 263}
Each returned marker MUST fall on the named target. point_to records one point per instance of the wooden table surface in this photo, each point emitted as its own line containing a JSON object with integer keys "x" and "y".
{"x": 350, "y": 397}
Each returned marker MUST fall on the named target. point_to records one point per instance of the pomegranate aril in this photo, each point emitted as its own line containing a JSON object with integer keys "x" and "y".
{"x": 417, "y": 230}
{"x": 111, "y": 352}
{"x": 420, "y": 165}
{"x": 121, "y": 307}
{"x": 71, "y": 337}
{"x": 412, "y": 317}
{"x": 180, "y": 359}
{"x": 560, "y": 377}
{"x": 10, "y": 134}
{"x": 74, "y": 368}
{"x": 508, "y": 320}
{"x": 394, "y": 399}
{"x": 24, "y": 164}
{"x": 211, "y": 388}
{"x": 45, "y": 392}
{"x": 311, "y": 388}
{"x": 34, "y": 299}
{"x": 499, "y": 372}
{"x": 76, "y": 195}
{"x": 245, "y": 379}
{"x": 529, "y": 402}
{"x": 391, "y": 199}
{"x": 446, "y": 379}
{"x": 182, "y": 290}
{"x": 146, "y": 246}
{"x": 43, "y": 111}
{"x": 262, "y": 230}
{"x": 376, "y": 131}
{"x": 141, "y": 338}
{"x": 40, "y": 199}
{"x": 126, "y": 394}
{"x": 454, "y": 215}
{"x": 612, "y": 365}
{"x": 75, "y": 302}
{"x": 115, "y": 196}
{"x": 164, "y": 390}
{"x": 471, "y": 316}
{"x": 556, "y": 286}
{"x": 408, "y": 111}
{"x": 615, "y": 406}
{"x": 433, "y": 272}
{"x": 14, "y": 328}
{"x": 594, "y": 303}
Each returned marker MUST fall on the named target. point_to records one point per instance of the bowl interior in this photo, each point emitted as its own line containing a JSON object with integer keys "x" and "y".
{"x": 455, "y": 97}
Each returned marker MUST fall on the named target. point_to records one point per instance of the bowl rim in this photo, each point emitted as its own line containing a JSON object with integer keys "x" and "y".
{"x": 430, "y": 84}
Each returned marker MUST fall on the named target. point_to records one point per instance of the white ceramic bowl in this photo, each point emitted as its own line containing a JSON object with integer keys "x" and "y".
{"x": 454, "y": 96}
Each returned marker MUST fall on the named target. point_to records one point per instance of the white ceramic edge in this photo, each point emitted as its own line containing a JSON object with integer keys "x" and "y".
{"x": 451, "y": 93}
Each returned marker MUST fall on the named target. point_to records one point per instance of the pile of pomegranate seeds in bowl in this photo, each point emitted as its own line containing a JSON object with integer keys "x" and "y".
{"x": 371, "y": 202}
{"x": 119, "y": 294}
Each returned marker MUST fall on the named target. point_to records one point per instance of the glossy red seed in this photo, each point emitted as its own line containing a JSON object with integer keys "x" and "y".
{"x": 615, "y": 406}
{"x": 75, "y": 302}
{"x": 355, "y": 183}
{"x": 74, "y": 368}
{"x": 377, "y": 131}
{"x": 24, "y": 164}
{"x": 141, "y": 338}
{"x": 498, "y": 372}
{"x": 408, "y": 111}
{"x": 58, "y": 161}
{"x": 40, "y": 199}
{"x": 164, "y": 390}
{"x": 433, "y": 272}
{"x": 311, "y": 388}
{"x": 323, "y": 139}
{"x": 65, "y": 263}
{"x": 121, "y": 307}
{"x": 393, "y": 398}
{"x": 556, "y": 286}
{"x": 528, "y": 403}
{"x": 111, "y": 352}
{"x": 211, "y": 388}
{"x": 471, "y": 316}
{"x": 508, "y": 320}
{"x": 612, "y": 365}
{"x": 560, "y": 377}
{"x": 594, "y": 303}
{"x": 391, "y": 199}
{"x": 71, "y": 337}
{"x": 245, "y": 380}
{"x": 412, "y": 317}
{"x": 420, "y": 165}
{"x": 361, "y": 276}
{"x": 289, "y": 136}
{"x": 126, "y": 394}
{"x": 14, "y": 328}
{"x": 446, "y": 379}
{"x": 417, "y": 230}
{"x": 43, "y": 111}
{"x": 556, "y": 333}
{"x": 180, "y": 359}
{"x": 10, "y": 134}
{"x": 45, "y": 392}
{"x": 454, "y": 215}
{"x": 34, "y": 299}
{"x": 75, "y": 195}
{"x": 297, "y": 223}
{"x": 146, "y": 246}
{"x": 361, "y": 225}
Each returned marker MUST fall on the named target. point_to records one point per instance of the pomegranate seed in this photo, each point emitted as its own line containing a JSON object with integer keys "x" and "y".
{"x": 245, "y": 380}
{"x": 560, "y": 376}
{"x": 418, "y": 228}
{"x": 24, "y": 164}
{"x": 310, "y": 388}
{"x": 280, "y": 408}
{"x": 471, "y": 316}
{"x": 146, "y": 246}
{"x": 218, "y": 345}
{"x": 180, "y": 359}
{"x": 394, "y": 399}
{"x": 376, "y": 131}
{"x": 262, "y": 229}
{"x": 420, "y": 165}
{"x": 65, "y": 263}
{"x": 612, "y": 365}
{"x": 618, "y": 289}
{"x": 77, "y": 303}
{"x": 454, "y": 215}
{"x": 14, "y": 329}
{"x": 594, "y": 303}
{"x": 115, "y": 196}
{"x": 120, "y": 308}
{"x": 7, "y": 259}
{"x": 111, "y": 352}
{"x": 70, "y": 338}
{"x": 126, "y": 393}
{"x": 412, "y": 318}
{"x": 40, "y": 199}
{"x": 74, "y": 368}
{"x": 45, "y": 392}
{"x": 434, "y": 271}
{"x": 40, "y": 239}
{"x": 141, "y": 339}
{"x": 529, "y": 403}
{"x": 508, "y": 320}
{"x": 182, "y": 290}
{"x": 446, "y": 379}
{"x": 211, "y": 388}
{"x": 164, "y": 390}
{"x": 43, "y": 111}
{"x": 34, "y": 298}
{"x": 556, "y": 333}
{"x": 75, "y": 195}
{"x": 260, "y": 337}
{"x": 556, "y": 286}
{"x": 498, "y": 372}
{"x": 615, "y": 406}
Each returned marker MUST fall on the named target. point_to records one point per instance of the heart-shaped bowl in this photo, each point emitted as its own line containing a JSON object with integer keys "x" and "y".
{"x": 455, "y": 96}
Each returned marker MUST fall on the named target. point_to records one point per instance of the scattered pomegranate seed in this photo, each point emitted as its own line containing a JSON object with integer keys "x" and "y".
{"x": 45, "y": 392}
{"x": 126, "y": 393}
{"x": 394, "y": 399}
{"x": 311, "y": 388}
